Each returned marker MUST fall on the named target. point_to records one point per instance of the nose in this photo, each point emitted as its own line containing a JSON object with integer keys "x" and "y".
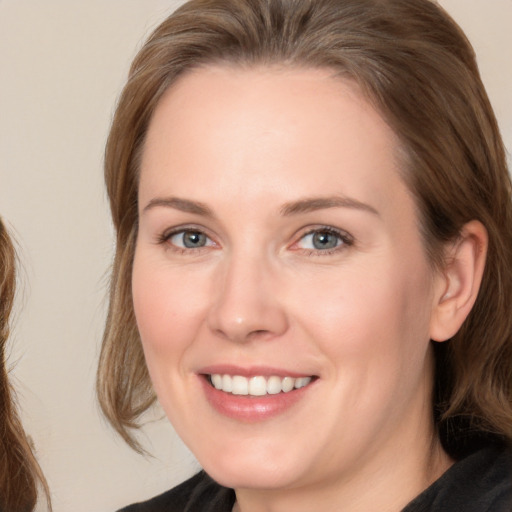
{"x": 245, "y": 305}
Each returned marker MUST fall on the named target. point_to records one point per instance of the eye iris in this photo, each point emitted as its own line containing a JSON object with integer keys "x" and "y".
{"x": 324, "y": 240}
{"x": 193, "y": 239}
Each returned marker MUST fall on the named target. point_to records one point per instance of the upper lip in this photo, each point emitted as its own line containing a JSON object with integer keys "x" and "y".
{"x": 251, "y": 371}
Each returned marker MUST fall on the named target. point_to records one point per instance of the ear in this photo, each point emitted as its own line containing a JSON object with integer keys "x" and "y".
{"x": 457, "y": 284}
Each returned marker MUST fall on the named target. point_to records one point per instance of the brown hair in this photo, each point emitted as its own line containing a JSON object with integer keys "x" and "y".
{"x": 418, "y": 69}
{"x": 20, "y": 473}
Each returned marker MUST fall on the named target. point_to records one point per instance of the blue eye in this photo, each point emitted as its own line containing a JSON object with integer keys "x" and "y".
{"x": 323, "y": 240}
{"x": 189, "y": 239}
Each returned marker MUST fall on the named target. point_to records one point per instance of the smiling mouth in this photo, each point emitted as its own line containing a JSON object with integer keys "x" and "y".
{"x": 257, "y": 385}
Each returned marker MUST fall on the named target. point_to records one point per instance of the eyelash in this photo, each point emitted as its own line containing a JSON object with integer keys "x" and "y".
{"x": 165, "y": 237}
{"x": 345, "y": 240}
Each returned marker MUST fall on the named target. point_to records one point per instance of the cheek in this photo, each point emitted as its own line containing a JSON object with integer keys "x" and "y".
{"x": 375, "y": 314}
{"x": 169, "y": 306}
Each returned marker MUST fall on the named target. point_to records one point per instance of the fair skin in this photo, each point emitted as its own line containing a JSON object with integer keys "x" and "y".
{"x": 277, "y": 239}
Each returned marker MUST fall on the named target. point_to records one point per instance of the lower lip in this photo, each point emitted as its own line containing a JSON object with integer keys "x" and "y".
{"x": 251, "y": 409}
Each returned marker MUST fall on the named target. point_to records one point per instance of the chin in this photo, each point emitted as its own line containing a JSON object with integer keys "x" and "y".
{"x": 251, "y": 476}
{"x": 256, "y": 468}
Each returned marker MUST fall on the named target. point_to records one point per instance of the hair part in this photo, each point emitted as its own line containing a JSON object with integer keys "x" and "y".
{"x": 417, "y": 68}
{"x": 20, "y": 474}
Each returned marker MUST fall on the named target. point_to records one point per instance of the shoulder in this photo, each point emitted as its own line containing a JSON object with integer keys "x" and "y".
{"x": 198, "y": 494}
{"x": 481, "y": 482}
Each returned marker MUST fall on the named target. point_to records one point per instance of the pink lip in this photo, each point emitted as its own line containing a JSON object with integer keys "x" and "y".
{"x": 251, "y": 409}
{"x": 251, "y": 371}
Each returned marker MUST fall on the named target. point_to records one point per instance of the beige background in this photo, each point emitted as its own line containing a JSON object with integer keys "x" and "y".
{"x": 62, "y": 65}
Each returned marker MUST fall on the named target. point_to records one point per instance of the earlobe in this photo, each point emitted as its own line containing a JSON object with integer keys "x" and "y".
{"x": 458, "y": 283}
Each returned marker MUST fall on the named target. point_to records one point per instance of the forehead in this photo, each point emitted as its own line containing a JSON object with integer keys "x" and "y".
{"x": 259, "y": 131}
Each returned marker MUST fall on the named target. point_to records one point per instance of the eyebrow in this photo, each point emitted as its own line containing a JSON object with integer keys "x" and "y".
{"x": 184, "y": 205}
{"x": 292, "y": 208}
{"x": 319, "y": 203}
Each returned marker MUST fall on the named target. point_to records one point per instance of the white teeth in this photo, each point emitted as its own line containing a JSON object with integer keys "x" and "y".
{"x": 274, "y": 386}
{"x": 227, "y": 383}
{"x": 257, "y": 386}
{"x": 240, "y": 385}
{"x": 301, "y": 382}
{"x": 287, "y": 384}
{"x": 217, "y": 381}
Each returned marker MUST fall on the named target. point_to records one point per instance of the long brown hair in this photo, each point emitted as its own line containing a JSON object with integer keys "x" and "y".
{"x": 418, "y": 69}
{"x": 20, "y": 474}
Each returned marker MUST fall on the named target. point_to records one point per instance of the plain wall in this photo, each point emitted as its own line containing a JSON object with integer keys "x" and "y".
{"x": 62, "y": 66}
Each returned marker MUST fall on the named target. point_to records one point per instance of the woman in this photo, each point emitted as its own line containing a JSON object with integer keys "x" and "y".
{"x": 20, "y": 474}
{"x": 314, "y": 232}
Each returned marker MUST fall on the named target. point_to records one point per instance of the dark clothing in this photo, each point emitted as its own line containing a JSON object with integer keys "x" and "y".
{"x": 198, "y": 494}
{"x": 481, "y": 482}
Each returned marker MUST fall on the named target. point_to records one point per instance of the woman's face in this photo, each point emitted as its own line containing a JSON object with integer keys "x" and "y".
{"x": 279, "y": 255}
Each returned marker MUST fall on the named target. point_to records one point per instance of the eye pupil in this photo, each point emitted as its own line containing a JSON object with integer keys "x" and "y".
{"x": 324, "y": 240}
{"x": 192, "y": 239}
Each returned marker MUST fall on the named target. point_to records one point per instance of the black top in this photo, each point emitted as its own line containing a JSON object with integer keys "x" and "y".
{"x": 481, "y": 482}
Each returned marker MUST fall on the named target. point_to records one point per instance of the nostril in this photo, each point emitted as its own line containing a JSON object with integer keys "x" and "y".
{"x": 258, "y": 333}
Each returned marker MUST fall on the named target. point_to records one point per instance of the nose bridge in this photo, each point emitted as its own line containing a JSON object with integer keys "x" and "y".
{"x": 246, "y": 304}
